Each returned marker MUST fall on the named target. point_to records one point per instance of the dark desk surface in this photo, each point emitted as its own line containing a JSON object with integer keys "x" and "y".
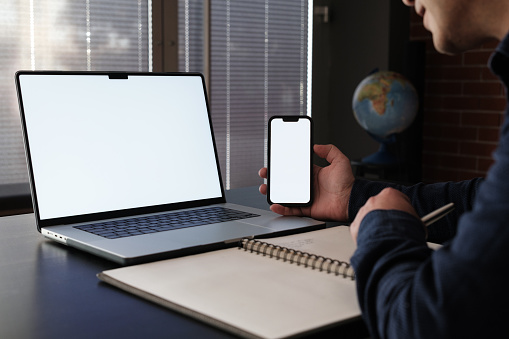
{"x": 48, "y": 290}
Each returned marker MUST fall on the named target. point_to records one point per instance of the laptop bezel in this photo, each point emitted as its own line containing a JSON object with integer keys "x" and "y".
{"x": 91, "y": 217}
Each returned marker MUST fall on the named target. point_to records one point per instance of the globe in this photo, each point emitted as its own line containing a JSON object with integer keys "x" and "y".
{"x": 384, "y": 103}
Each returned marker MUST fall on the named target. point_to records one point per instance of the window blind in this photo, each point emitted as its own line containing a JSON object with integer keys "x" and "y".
{"x": 258, "y": 61}
{"x": 63, "y": 35}
{"x": 259, "y": 68}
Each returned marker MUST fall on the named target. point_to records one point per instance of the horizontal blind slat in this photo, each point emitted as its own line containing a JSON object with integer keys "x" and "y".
{"x": 60, "y": 43}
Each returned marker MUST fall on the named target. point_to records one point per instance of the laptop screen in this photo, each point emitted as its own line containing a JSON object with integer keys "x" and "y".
{"x": 99, "y": 144}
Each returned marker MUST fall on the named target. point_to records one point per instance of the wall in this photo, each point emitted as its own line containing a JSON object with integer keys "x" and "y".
{"x": 359, "y": 37}
{"x": 463, "y": 105}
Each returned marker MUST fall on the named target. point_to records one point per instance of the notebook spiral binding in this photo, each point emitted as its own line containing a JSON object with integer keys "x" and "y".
{"x": 337, "y": 267}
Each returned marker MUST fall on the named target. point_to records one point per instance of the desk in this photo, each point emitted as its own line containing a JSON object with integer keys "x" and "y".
{"x": 48, "y": 290}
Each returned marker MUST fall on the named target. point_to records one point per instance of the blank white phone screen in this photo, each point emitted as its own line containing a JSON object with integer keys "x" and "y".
{"x": 100, "y": 144}
{"x": 290, "y": 157}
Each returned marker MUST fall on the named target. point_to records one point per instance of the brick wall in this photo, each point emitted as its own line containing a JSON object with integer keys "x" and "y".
{"x": 463, "y": 110}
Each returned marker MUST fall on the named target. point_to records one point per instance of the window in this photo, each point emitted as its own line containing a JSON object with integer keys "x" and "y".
{"x": 253, "y": 52}
{"x": 259, "y": 67}
{"x": 63, "y": 35}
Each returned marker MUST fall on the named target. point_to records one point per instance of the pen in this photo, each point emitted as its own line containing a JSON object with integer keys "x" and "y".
{"x": 437, "y": 214}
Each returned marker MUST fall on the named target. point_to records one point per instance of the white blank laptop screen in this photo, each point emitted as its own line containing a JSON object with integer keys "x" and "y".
{"x": 100, "y": 144}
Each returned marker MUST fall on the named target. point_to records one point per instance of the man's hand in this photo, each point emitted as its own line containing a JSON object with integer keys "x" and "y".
{"x": 387, "y": 199}
{"x": 332, "y": 187}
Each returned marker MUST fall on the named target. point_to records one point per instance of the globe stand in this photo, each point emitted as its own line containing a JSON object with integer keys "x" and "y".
{"x": 383, "y": 156}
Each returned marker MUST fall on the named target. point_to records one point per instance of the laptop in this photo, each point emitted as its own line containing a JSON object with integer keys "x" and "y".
{"x": 125, "y": 166}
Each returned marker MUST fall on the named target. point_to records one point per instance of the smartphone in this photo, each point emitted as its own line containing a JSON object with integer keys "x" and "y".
{"x": 290, "y": 166}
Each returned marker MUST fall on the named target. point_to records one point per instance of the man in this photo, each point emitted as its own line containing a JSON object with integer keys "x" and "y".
{"x": 406, "y": 290}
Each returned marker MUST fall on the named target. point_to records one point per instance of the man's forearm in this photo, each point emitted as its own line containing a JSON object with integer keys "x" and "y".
{"x": 425, "y": 198}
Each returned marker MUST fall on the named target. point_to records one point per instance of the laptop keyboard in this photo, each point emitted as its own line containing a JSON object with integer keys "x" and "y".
{"x": 163, "y": 222}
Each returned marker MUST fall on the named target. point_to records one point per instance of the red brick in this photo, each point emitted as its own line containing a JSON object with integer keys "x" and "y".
{"x": 460, "y": 133}
{"x": 443, "y": 117}
{"x": 484, "y": 164}
{"x": 450, "y": 161}
{"x": 453, "y": 162}
{"x": 455, "y": 133}
{"x": 476, "y": 57}
{"x": 462, "y": 73}
{"x": 493, "y": 104}
{"x": 480, "y": 119}
{"x": 438, "y": 59}
{"x": 461, "y": 103}
{"x": 487, "y": 75}
{"x": 451, "y": 88}
{"x": 454, "y": 73}
{"x": 438, "y": 146}
{"x": 480, "y": 149}
{"x": 483, "y": 88}
{"x": 489, "y": 134}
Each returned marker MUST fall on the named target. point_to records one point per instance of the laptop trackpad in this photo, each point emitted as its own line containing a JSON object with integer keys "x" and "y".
{"x": 214, "y": 233}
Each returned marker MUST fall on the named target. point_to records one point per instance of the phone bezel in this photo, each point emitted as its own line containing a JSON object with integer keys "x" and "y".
{"x": 290, "y": 118}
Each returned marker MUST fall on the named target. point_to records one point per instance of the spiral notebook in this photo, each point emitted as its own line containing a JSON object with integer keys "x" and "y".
{"x": 266, "y": 288}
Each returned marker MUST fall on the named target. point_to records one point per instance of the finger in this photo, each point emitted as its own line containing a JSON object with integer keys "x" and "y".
{"x": 328, "y": 152}
{"x": 279, "y": 209}
{"x": 263, "y": 189}
{"x": 263, "y": 172}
